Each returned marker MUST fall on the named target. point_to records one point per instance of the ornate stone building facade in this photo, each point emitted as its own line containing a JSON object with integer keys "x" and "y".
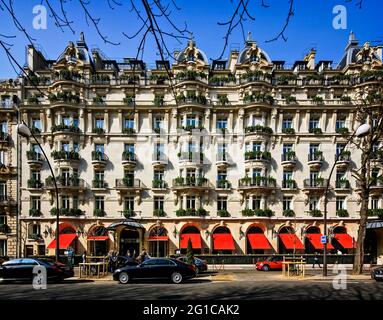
{"x": 233, "y": 155}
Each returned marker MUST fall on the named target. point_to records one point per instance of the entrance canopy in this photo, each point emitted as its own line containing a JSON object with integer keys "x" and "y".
{"x": 195, "y": 240}
{"x": 65, "y": 241}
{"x": 126, "y": 222}
{"x": 258, "y": 241}
{"x": 345, "y": 240}
{"x": 375, "y": 224}
{"x": 291, "y": 241}
{"x": 223, "y": 241}
{"x": 315, "y": 238}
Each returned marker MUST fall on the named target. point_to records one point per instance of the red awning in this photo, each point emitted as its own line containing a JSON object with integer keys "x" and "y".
{"x": 258, "y": 241}
{"x": 98, "y": 238}
{"x": 223, "y": 241}
{"x": 195, "y": 240}
{"x": 315, "y": 238}
{"x": 159, "y": 238}
{"x": 345, "y": 240}
{"x": 291, "y": 241}
{"x": 65, "y": 241}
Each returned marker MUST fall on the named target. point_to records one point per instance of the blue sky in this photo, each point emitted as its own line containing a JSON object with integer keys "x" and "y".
{"x": 311, "y": 26}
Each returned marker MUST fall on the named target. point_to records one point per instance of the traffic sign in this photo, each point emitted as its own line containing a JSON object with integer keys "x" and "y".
{"x": 323, "y": 239}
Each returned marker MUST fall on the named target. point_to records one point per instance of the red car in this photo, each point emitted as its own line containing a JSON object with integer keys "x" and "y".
{"x": 271, "y": 263}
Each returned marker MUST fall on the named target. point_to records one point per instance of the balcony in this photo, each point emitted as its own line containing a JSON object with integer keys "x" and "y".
{"x": 289, "y": 185}
{"x": 5, "y": 139}
{"x": 129, "y": 184}
{"x": 65, "y": 129}
{"x": 190, "y": 158}
{"x": 257, "y": 157}
{"x": 159, "y": 184}
{"x": 191, "y": 212}
{"x": 288, "y": 160}
{"x": 258, "y": 129}
{"x": 34, "y": 184}
{"x": 315, "y": 160}
{"x": 99, "y": 159}
{"x": 66, "y": 183}
{"x": 342, "y": 185}
{"x": 195, "y": 183}
{"x": 317, "y": 185}
{"x": 6, "y": 201}
{"x": 257, "y": 184}
{"x": 99, "y": 184}
{"x": 34, "y": 159}
{"x": 129, "y": 159}
{"x": 159, "y": 160}
{"x": 67, "y": 212}
{"x": 343, "y": 160}
{"x": 376, "y": 185}
{"x": 4, "y": 229}
{"x": 223, "y": 185}
{"x": 66, "y": 158}
{"x": 222, "y": 160}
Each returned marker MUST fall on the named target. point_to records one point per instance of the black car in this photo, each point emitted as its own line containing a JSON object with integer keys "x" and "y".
{"x": 22, "y": 270}
{"x": 156, "y": 268}
{"x": 200, "y": 264}
{"x": 377, "y": 274}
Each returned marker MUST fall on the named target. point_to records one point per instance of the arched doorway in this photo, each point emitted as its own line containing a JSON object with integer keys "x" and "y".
{"x": 222, "y": 241}
{"x": 158, "y": 242}
{"x": 256, "y": 241}
{"x": 67, "y": 239}
{"x": 129, "y": 242}
{"x": 341, "y": 240}
{"x": 312, "y": 233}
{"x": 98, "y": 241}
{"x": 193, "y": 233}
{"x": 288, "y": 242}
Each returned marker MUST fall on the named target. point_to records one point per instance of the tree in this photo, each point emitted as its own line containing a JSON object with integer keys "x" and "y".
{"x": 369, "y": 110}
{"x": 189, "y": 253}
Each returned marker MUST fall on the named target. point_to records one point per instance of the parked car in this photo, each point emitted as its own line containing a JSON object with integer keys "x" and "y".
{"x": 22, "y": 270}
{"x": 377, "y": 273}
{"x": 271, "y": 263}
{"x": 199, "y": 263}
{"x": 156, "y": 268}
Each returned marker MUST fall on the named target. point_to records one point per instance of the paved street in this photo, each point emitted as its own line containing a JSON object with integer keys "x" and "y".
{"x": 226, "y": 285}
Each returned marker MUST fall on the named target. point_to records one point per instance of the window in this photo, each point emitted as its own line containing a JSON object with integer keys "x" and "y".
{"x": 99, "y": 203}
{"x": 287, "y": 147}
{"x": 340, "y": 203}
{"x": 99, "y": 148}
{"x": 222, "y": 175}
{"x": 159, "y": 203}
{"x": 222, "y": 203}
{"x": 313, "y": 123}
{"x": 99, "y": 123}
{"x": 35, "y": 175}
{"x": 313, "y": 148}
{"x": 65, "y": 203}
{"x": 222, "y": 123}
{"x": 36, "y": 123}
{"x": 3, "y": 156}
{"x": 35, "y": 203}
{"x": 340, "y": 174}
{"x": 129, "y": 123}
{"x": 75, "y": 202}
{"x": 158, "y": 122}
{"x": 129, "y": 203}
{"x": 65, "y": 121}
{"x": 286, "y": 202}
{"x": 314, "y": 203}
{"x": 257, "y": 202}
{"x": 287, "y": 123}
{"x": 3, "y": 189}
{"x": 35, "y": 147}
{"x": 159, "y": 175}
{"x": 3, "y": 247}
{"x": 4, "y": 127}
{"x": 190, "y": 202}
{"x": 287, "y": 175}
{"x": 75, "y": 122}
{"x": 374, "y": 203}
{"x": 314, "y": 175}
{"x": 339, "y": 148}
{"x": 75, "y": 147}
{"x": 257, "y": 172}
{"x": 191, "y": 121}
{"x": 129, "y": 147}
{"x": 3, "y": 220}
{"x": 65, "y": 146}
{"x": 99, "y": 175}
{"x": 35, "y": 230}
{"x": 247, "y": 202}
{"x": 340, "y": 123}
{"x": 257, "y": 146}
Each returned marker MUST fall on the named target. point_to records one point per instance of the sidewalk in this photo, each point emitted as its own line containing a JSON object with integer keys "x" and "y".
{"x": 218, "y": 267}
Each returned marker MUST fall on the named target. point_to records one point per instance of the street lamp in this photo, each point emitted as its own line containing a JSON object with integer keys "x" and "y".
{"x": 361, "y": 132}
{"x": 24, "y": 131}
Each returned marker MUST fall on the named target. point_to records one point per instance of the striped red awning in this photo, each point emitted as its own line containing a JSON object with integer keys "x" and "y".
{"x": 65, "y": 241}
{"x": 98, "y": 238}
{"x": 258, "y": 241}
{"x": 345, "y": 240}
{"x": 223, "y": 241}
{"x": 291, "y": 241}
{"x": 158, "y": 238}
{"x": 195, "y": 240}
{"x": 315, "y": 239}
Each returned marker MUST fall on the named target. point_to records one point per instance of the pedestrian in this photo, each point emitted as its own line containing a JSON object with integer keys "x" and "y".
{"x": 316, "y": 260}
{"x": 84, "y": 261}
{"x": 340, "y": 258}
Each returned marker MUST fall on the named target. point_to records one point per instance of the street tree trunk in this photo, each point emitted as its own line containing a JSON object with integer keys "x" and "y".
{"x": 359, "y": 252}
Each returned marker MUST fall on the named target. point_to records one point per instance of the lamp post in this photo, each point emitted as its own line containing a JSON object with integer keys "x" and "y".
{"x": 24, "y": 131}
{"x": 362, "y": 131}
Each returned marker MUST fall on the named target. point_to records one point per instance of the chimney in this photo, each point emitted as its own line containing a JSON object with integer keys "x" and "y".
{"x": 233, "y": 60}
{"x": 310, "y": 59}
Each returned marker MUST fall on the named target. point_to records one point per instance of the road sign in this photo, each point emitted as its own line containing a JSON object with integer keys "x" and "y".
{"x": 323, "y": 239}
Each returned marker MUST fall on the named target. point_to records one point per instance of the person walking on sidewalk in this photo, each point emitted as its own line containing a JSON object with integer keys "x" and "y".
{"x": 316, "y": 260}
